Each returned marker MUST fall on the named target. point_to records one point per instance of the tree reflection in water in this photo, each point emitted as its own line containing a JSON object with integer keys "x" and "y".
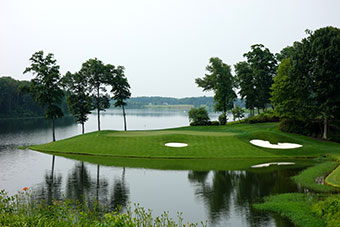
{"x": 237, "y": 190}
{"x": 50, "y": 189}
{"x": 81, "y": 187}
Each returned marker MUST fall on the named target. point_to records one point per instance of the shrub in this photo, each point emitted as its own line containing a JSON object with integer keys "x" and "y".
{"x": 223, "y": 119}
{"x": 214, "y": 123}
{"x": 329, "y": 210}
{"x": 237, "y": 112}
{"x": 198, "y": 116}
{"x": 268, "y": 116}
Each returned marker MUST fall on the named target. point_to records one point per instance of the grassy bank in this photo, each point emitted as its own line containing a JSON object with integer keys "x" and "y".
{"x": 297, "y": 207}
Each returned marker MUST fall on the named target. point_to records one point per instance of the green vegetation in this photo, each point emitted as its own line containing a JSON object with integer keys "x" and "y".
{"x": 297, "y": 207}
{"x": 308, "y": 81}
{"x": 45, "y": 88}
{"x": 221, "y": 82}
{"x": 198, "y": 116}
{"x": 24, "y": 210}
{"x": 207, "y": 142}
{"x": 329, "y": 210}
{"x": 308, "y": 177}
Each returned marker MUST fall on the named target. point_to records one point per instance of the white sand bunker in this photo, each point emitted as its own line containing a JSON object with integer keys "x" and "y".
{"x": 272, "y": 163}
{"x": 176, "y": 144}
{"x": 266, "y": 144}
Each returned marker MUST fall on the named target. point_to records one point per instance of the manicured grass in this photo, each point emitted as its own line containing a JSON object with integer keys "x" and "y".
{"x": 307, "y": 177}
{"x": 208, "y": 142}
{"x": 297, "y": 207}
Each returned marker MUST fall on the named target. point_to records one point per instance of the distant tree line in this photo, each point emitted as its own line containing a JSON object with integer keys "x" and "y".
{"x": 144, "y": 102}
{"x": 84, "y": 90}
{"x": 14, "y": 104}
{"x": 301, "y": 83}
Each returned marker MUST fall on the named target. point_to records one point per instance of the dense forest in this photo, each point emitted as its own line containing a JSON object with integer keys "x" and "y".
{"x": 15, "y": 104}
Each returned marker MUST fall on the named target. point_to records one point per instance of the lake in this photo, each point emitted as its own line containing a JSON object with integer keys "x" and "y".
{"x": 222, "y": 197}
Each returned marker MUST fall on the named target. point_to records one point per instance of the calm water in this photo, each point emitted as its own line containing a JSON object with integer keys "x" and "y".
{"x": 223, "y": 198}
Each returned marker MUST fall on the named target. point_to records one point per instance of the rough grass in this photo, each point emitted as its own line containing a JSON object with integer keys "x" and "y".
{"x": 297, "y": 207}
{"x": 307, "y": 177}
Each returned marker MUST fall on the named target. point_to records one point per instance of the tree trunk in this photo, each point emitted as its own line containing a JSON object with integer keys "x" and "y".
{"x": 98, "y": 113}
{"x": 82, "y": 128}
{"x": 124, "y": 115}
{"x": 325, "y": 128}
{"x": 53, "y": 132}
{"x": 258, "y": 110}
{"x": 98, "y": 108}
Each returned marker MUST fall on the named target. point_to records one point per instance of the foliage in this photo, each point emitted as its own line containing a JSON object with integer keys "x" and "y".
{"x": 307, "y": 84}
{"x": 45, "y": 88}
{"x": 329, "y": 209}
{"x": 222, "y": 119}
{"x": 237, "y": 112}
{"x": 78, "y": 96}
{"x": 221, "y": 81}
{"x": 120, "y": 87}
{"x": 313, "y": 177}
{"x": 262, "y": 66}
{"x": 198, "y": 116}
{"x": 14, "y": 104}
{"x": 268, "y": 116}
{"x": 246, "y": 82}
{"x": 22, "y": 210}
{"x": 96, "y": 72}
{"x": 296, "y": 206}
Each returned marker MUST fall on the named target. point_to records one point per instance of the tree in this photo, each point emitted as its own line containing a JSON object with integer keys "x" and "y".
{"x": 237, "y": 112}
{"x": 45, "y": 88}
{"x": 246, "y": 82}
{"x": 120, "y": 87}
{"x": 198, "y": 116}
{"x": 78, "y": 96}
{"x": 263, "y": 66}
{"x": 324, "y": 73}
{"x": 96, "y": 73}
{"x": 221, "y": 81}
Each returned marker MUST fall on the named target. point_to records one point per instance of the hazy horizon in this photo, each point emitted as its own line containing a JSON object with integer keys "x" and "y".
{"x": 164, "y": 45}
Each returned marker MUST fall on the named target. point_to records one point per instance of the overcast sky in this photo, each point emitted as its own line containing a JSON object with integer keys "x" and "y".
{"x": 164, "y": 44}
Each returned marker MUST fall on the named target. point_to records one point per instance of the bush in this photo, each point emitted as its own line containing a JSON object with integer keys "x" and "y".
{"x": 329, "y": 210}
{"x": 301, "y": 127}
{"x": 223, "y": 119}
{"x": 268, "y": 116}
{"x": 214, "y": 123}
{"x": 198, "y": 116}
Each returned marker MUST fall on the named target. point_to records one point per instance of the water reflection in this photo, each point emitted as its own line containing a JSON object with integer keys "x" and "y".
{"x": 227, "y": 193}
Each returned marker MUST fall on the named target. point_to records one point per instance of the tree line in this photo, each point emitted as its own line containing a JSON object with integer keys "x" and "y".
{"x": 84, "y": 90}
{"x": 145, "y": 101}
{"x": 301, "y": 83}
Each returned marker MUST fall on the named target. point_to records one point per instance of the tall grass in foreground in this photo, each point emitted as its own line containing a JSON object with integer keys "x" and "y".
{"x": 23, "y": 210}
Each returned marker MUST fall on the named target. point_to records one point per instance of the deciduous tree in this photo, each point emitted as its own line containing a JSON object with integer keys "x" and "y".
{"x": 45, "y": 88}
{"x": 220, "y": 80}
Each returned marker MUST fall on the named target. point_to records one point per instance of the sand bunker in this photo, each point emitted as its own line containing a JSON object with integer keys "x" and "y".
{"x": 272, "y": 163}
{"x": 266, "y": 144}
{"x": 176, "y": 144}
